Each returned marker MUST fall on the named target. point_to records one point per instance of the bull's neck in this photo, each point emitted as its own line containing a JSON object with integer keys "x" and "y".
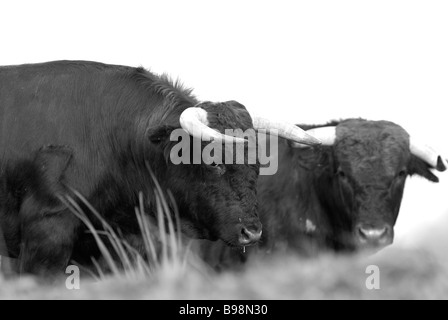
{"x": 289, "y": 206}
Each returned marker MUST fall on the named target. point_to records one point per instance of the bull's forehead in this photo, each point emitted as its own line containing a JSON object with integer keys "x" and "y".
{"x": 227, "y": 115}
{"x": 371, "y": 150}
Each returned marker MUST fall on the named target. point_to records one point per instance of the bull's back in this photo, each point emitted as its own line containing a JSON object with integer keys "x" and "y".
{"x": 59, "y": 103}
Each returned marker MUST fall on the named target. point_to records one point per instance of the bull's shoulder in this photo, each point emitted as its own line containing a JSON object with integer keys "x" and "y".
{"x": 40, "y": 175}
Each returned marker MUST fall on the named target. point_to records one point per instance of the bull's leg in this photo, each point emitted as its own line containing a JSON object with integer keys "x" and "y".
{"x": 9, "y": 266}
{"x": 47, "y": 243}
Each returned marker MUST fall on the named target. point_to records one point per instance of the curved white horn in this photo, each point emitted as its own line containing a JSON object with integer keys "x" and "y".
{"x": 427, "y": 154}
{"x": 194, "y": 121}
{"x": 325, "y": 134}
{"x": 285, "y": 130}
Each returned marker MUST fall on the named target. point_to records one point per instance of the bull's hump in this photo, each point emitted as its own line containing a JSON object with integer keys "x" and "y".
{"x": 364, "y": 130}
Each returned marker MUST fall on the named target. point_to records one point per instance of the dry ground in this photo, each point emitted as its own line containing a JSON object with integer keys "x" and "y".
{"x": 404, "y": 274}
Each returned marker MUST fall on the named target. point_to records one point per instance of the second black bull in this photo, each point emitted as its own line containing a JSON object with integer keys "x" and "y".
{"x": 343, "y": 196}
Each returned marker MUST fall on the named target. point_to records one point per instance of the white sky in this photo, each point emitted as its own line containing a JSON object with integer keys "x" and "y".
{"x": 303, "y": 61}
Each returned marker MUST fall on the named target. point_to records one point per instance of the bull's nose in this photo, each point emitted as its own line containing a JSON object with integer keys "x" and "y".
{"x": 250, "y": 235}
{"x": 375, "y": 236}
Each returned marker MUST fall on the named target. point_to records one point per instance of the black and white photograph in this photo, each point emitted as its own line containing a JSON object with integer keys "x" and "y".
{"x": 224, "y": 155}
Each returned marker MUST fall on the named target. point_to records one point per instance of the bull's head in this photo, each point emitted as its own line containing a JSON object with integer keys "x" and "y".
{"x": 217, "y": 200}
{"x": 365, "y": 165}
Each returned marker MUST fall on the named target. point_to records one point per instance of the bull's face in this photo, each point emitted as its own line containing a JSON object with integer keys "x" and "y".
{"x": 371, "y": 161}
{"x": 215, "y": 201}
{"x": 218, "y": 202}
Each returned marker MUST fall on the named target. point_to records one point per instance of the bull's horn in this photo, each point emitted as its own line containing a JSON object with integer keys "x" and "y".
{"x": 194, "y": 121}
{"x": 427, "y": 154}
{"x": 286, "y": 131}
{"x": 327, "y": 135}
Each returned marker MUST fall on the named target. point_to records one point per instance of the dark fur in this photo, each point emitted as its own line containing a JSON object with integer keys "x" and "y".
{"x": 116, "y": 120}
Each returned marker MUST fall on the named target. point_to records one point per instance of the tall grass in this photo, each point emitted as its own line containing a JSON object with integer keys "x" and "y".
{"x": 158, "y": 248}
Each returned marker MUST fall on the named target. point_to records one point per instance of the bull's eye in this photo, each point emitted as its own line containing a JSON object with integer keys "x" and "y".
{"x": 340, "y": 173}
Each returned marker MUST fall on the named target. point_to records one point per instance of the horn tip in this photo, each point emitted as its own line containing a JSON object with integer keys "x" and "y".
{"x": 441, "y": 164}
{"x": 311, "y": 141}
{"x": 305, "y": 144}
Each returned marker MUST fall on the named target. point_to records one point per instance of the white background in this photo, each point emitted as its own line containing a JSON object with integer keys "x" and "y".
{"x": 303, "y": 61}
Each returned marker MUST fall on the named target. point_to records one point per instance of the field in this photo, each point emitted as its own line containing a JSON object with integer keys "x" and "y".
{"x": 416, "y": 274}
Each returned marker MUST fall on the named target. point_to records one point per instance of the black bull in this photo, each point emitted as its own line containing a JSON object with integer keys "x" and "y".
{"x": 94, "y": 128}
{"x": 340, "y": 197}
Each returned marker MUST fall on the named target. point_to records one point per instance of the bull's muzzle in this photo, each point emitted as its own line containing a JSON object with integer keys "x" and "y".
{"x": 374, "y": 237}
{"x": 250, "y": 234}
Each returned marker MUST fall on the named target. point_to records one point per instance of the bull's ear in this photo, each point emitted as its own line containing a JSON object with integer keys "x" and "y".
{"x": 419, "y": 167}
